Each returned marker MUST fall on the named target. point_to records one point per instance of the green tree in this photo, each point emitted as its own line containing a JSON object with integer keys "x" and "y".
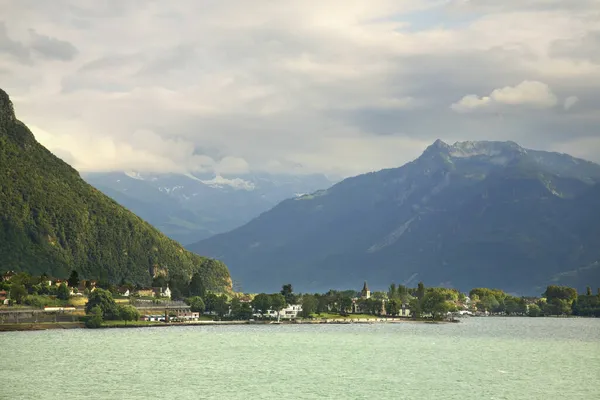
{"x": 278, "y": 303}
{"x": 393, "y": 307}
{"x": 221, "y": 305}
{"x": 588, "y": 291}
{"x": 561, "y": 293}
{"x": 288, "y": 292}
{"x": 210, "y": 302}
{"x": 309, "y": 305}
{"x": 235, "y": 307}
{"x": 63, "y": 292}
{"x": 436, "y": 303}
{"x": 392, "y": 292}
{"x": 95, "y": 318}
{"x": 197, "y": 287}
{"x": 415, "y": 308}
{"x": 103, "y": 299}
{"x": 128, "y": 313}
{"x": 18, "y": 293}
{"x": 73, "y": 279}
{"x": 196, "y": 304}
{"x": 558, "y": 306}
{"x": 420, "y": 291}
{"x": 345, "y": 304}
{"x": 534, "y": 310}
{"x": 261, "y": 303}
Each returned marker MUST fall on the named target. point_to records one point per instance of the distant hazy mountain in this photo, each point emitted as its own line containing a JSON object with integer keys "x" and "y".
{"x": 467, "y": 215}
{"x": 189, "y": 207}
{"x": 53, "y": 222}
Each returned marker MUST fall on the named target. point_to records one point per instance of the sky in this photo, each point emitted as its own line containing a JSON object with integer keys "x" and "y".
{"x": 338, "y": 87}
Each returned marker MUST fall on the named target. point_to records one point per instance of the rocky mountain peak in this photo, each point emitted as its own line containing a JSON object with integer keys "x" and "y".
{"x": 7, "y": 112}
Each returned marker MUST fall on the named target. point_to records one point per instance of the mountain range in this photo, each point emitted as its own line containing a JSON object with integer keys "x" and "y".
{"x": 53, "y": 222}
{"x": 464, "y": 215}
{"x": 191, "y": 207}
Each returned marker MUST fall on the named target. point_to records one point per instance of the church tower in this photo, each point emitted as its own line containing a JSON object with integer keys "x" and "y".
{"x": 365, "y": 293}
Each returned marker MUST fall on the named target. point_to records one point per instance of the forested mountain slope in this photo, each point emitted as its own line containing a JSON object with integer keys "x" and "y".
{"x": 51, "y": 221}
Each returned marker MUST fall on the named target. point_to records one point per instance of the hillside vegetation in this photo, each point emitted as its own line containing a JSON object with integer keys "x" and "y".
{"x": 51, "y": 221}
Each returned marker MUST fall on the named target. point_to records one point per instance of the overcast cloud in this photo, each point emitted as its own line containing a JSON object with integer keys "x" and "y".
{"x": 335, "y": 86}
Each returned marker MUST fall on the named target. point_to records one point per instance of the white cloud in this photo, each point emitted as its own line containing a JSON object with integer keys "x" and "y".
{"x": 570, "y": 102}
{"x": 199, "y": 85}
{"x": 527, "y": 93}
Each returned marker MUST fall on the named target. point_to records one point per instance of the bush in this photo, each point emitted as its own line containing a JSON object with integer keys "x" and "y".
{"x": 95, "y": 318}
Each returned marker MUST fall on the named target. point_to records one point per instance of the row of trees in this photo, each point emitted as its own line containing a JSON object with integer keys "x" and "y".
{"x": 101, "y": 306}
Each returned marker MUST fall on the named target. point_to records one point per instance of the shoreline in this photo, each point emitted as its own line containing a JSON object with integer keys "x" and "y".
{"x": 80, "y": 325}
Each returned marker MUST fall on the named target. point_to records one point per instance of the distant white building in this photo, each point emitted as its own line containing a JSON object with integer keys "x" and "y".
{"x": 290, "y": 312}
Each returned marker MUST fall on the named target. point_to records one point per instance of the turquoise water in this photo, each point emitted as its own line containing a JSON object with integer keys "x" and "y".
{"x": 480, "y": 358}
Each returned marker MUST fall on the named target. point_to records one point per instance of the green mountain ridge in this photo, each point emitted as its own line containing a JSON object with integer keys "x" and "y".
{"x": 51, "y": 221}
{"x": 464, "y": 215}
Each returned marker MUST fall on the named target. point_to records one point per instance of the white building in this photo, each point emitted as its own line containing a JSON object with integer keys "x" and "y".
{"x": 290, "y": 312}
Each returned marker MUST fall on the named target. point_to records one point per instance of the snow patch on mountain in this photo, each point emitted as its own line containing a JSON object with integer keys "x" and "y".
{"x": 236, "y": 183}
{"x": 134, "y": 175}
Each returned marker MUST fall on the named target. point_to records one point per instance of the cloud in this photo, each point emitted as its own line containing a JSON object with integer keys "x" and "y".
{"x": 570, "y": 102}
{"x": 52, "y": 48}
{"x": 527, "y": 93}
{"x": 298, "y": 86}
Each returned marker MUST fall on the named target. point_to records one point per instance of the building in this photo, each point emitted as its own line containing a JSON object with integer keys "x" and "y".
{"x": 365, "y": 292}
{"x": 290, "y": 312}
{"x": 8, "y": 275}
{"x": 3, "y": 298}
{"x": 123, "y": 291}
{"x": 145, "y": 292}
{"x": 160, "y": 292}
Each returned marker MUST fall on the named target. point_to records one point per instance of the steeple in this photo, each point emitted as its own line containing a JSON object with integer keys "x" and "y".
{"x": 365, "y": 293}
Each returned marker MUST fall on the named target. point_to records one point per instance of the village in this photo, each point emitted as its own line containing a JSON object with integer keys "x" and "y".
{"x": 28, "y": 299}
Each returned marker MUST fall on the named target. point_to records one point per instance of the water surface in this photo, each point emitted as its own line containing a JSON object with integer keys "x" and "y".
{"x": 480, "y": 358}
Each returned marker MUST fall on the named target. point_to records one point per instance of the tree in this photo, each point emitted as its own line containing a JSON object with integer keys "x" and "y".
{"x": 128, "y": 313}
{"x": 393, "y": 307}
{"x": 63, "y": 292}
{"x": 278, "y": 303}
{"x": 392, "y": 292}
{"x": 94, "y": 318}
{"x": 420, "y": 291}
{"x": 196, "y": 304}
{"x": 415, "y": 308}
{"x": 322, "y": 303}
{"x": 221, "y": 305}
{"x": 18, "y": 293}
{"x": 435, "y": 303}
{"x": 159, "y": 281}
{"x": 73, "y": 279}
{"x": 235, "y": 307}
{"x": 261, "y": 303}
{"x": 588, "y": 291}
{"x": 309, "y": 305}
{"x": 210, "y": 302}
{"x": 534, "y": 310}
{"x": 197, "y": 287}
{"x": 560, "y": 292}
{"x": 288, "y": 292}
{"x": 345, "y": 304}
{"x": 245, "y": 312}
{"x": 103, "y": 299}
{"x": 558, "y": 306}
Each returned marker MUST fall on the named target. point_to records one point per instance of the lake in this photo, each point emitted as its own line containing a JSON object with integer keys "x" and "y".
{"x": 479, "y": 358}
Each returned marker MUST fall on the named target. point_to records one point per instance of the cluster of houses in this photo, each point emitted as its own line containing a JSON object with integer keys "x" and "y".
{"x": 90, "y": 284}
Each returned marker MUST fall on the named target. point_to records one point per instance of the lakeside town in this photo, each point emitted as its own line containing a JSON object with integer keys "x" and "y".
{"x": 43, "y": 302}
